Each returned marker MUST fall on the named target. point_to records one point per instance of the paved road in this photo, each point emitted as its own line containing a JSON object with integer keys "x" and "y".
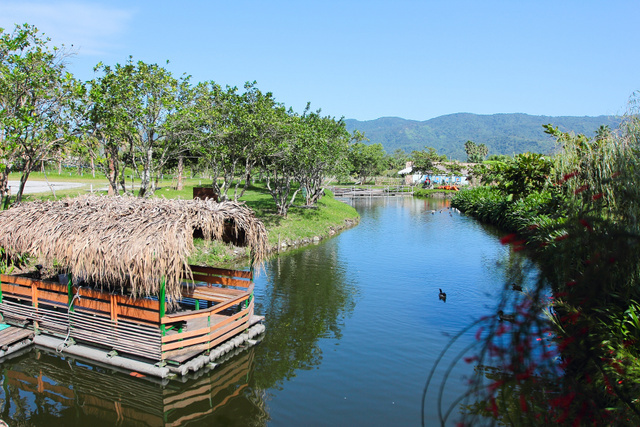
{"x": 41, "y": 186}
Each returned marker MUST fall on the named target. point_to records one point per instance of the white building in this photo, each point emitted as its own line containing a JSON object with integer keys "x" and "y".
{"x": 440, "y": 175}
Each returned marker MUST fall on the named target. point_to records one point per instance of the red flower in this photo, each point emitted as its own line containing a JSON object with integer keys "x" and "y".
{"x": 567, "y": 177}
{"x": 478, "y": 334}
{"x": 581, "y": 189}
{"x": 508, "y": 238}
{"x": 495, "y": 385}
{"x": 502, "y": 329}
{"x": 493, "y": 407}
{"x": 565, "y": 343}
{"x": 597, "y": 196}
{"x": 586, "y": 224}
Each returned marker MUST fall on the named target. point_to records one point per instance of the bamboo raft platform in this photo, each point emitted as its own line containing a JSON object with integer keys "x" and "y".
{"x": 125, "y": 294}
{"x": 214, "y": 316}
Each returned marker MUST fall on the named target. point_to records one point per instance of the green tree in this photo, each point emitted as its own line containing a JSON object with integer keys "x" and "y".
{"x": 38, "y": 101}
{"x": 525, "y": 174}
{"x": 475, "y": 152}
{"x": 603, "y": 132}
{"x": 366, "y": 160}
{"x": 397, "y": 160}
{"x": 424, "y": 161}
{"x": 156, "y": 99}
{"x": 322, "y": 150}
{"x": 233, "y": 132}
{"x": 254, "y": 122}
{"x": 280, "y": 162}
{"x": 110, "y": 99}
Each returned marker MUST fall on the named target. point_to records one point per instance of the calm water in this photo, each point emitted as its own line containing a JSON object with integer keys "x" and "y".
{"x": 354, "y": 325}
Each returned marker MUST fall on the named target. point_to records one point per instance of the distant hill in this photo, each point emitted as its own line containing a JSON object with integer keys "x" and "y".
{"x": 502, "y": 133}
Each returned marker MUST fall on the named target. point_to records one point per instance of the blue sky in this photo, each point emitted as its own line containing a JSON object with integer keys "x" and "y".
{"x": 369, "y": 59}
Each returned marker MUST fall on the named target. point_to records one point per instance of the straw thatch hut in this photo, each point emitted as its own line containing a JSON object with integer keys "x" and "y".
{"x": 126, "y": 241}
{"x": 135, "y": 302}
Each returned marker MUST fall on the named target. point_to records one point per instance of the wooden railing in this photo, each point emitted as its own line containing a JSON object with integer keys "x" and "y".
{"x": 221, "y": 303}
{"x": 115, "y": 307}
{"x": 229, "y": 315}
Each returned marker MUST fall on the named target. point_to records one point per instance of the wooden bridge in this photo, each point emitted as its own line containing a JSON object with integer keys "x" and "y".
{"x": 373, "y": 191}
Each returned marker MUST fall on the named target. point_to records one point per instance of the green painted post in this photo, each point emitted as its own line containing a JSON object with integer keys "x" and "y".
{"x": 251, "y": 270}
{"x": 197, "y": 304}
{"x": 70, "y": 292}
{"x": 163, "y": 294}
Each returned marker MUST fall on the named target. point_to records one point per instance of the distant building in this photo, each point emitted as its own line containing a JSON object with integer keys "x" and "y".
{"x": 440, "y": 176}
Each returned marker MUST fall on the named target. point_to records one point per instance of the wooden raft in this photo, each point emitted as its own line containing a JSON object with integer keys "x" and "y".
{"x": 230, "y": 292}
{"x": 216, "y": 305}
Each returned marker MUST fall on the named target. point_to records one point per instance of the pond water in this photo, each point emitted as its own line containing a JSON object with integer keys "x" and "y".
{"x": 354, "y": 326}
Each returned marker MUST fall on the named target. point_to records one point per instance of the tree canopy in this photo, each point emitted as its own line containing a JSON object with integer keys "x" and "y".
{"x": 138, "y": 118}
{"x": 38, "y": 98}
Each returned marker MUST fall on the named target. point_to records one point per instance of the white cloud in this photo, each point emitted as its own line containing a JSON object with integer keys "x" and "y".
{"x": 92, "y": 29}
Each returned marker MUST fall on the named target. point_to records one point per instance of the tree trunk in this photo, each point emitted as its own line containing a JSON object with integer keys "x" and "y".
{"x": 29, "y": 164}
{"x": 180, "y": 172}
{"x": 4, "y": 181}
{"x": 113, "y": 185}
{"x": 146, "y": 174}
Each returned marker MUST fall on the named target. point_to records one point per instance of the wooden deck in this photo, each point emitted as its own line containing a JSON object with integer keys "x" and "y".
{"x": 12, "y": 335}
{"x": 216, "y": 306}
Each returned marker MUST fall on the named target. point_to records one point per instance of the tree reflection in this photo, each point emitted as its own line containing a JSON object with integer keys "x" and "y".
{"x": 42, "y": 389}
{"x": 307, "y": 300}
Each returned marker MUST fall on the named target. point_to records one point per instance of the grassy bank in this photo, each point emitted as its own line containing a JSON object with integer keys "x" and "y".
{"x": 301, "y": 226}
{"x": 443, "y": 194}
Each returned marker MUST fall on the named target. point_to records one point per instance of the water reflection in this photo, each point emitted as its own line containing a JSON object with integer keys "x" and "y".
{"x": 43, "y": 389}
{"x": 305, "y": 298}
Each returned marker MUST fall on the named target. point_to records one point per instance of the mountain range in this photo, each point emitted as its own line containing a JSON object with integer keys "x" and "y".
{"x": 502, "y": 133}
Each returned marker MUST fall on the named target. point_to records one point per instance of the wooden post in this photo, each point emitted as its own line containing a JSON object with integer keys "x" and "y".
{"x": 114, "y": 308}
{"x": 252, "y": 287}
{"x": 70, "y": 292}
{"x": 34, "y": 295}
{"x": 163, "y": 294}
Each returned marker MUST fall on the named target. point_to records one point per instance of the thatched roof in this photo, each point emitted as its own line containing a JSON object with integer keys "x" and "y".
{"x": 118, "y": 240}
